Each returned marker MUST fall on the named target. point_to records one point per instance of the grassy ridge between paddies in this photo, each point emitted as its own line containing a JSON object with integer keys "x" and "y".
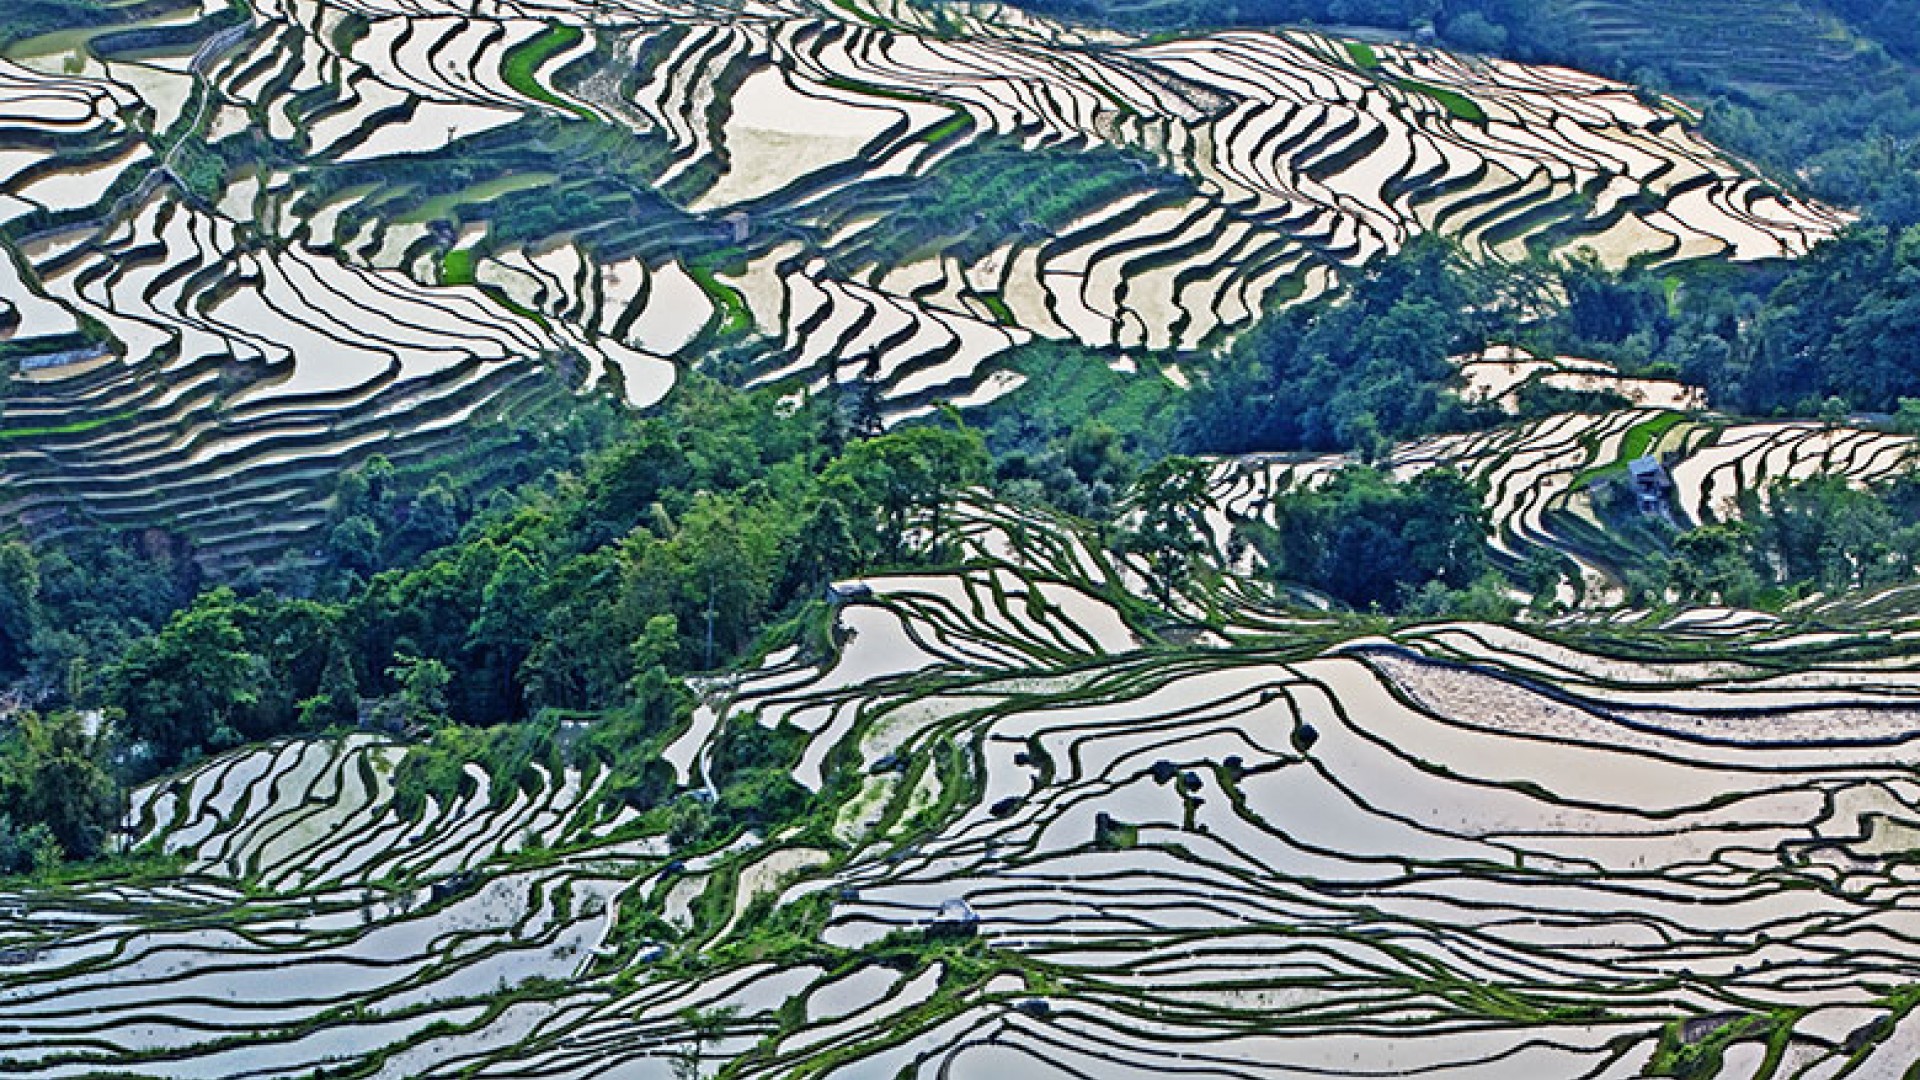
{"x": 732, "y": 318}
{"x": 457, "y": 268}
{"x": 78, "y": 427}
{"x": 1460, "y": 105}
{"x": 523, "y": 60}
{"x": 1634, "y": 445}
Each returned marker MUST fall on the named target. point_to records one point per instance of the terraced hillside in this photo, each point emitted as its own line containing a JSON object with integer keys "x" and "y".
{"x": 249, "y": 250}
{"x": 1749, "y": 47}
{"x": 1458, "y": 849}
{"x": 1757, "y": 49}
{"x": 1545, "y": 478}
{"x": 1055, "y": 810}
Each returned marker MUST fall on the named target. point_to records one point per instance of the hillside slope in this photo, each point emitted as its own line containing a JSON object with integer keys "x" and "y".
{"x": 1461, "y": 848}
{"x": 261, "y": 251}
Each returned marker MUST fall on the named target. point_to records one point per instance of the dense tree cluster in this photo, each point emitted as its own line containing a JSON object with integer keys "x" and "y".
{"x": 56, "y": 788}
{"x": 669, "y": 551}
{"x": 1837, "y": 332}
{"x": 1377, "y": 545}
{"x": 1845, "y": 323}
{"x": 1359, "y": 372}
{"x": 1833, "y": 334}
{"x": 1817, "y": 534}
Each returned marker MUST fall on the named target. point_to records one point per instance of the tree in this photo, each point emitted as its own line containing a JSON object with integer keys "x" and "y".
{"x": 354, "y": 544}
{"x": 509, "y": 620}
{"x": 337, "y": 698}
{"x": 19, "y": 604}
{"x": 1845, "y": 323}
{"x": 657, "y": 646}
{"x": 1906, "y": 418}
{"x": 825, "y": 549}
{"x": 26, "y": 848}
{"x": 704, "y": 1027}
{"x": 1722, "y": 563}
{"x": 1376, "y": 544}
{"x": 1357, "y": 373}
{"x": 300, "y": 642}
{"x": 906, "y": 477}
{"x": 1474, "y": 32}
{"x": 1096, "y": 454}
{"x": 726, "y": 559}
{"x": 423, "y": 689}
{"x": 431, "y": 519}
{"x": 53, "y": 775}
{"x": 1164, "y": 503}
{"x": 190, "y": 687}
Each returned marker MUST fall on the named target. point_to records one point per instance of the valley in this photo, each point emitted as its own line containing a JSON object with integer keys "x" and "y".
{"x": 548, "y": 542}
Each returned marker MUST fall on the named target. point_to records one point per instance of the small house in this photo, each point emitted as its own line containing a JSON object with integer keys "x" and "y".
{"x": 1650, "y": 483}
{"x": 955, "y": 919}
{"x": 841, "y": 592}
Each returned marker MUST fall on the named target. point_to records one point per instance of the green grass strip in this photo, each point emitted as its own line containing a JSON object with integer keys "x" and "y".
{"x": 861, "y": 14}
{"x": 1363, "y": 55}
{"x": 736, "y": 319}
{"x": 947, "y": 128}
{"x": 1460, "y": 105}
{"x": 855, "y": 86}
{"x": 78, "y": 427}
{"x": 1639, "y": 439}
{"x": 457, "y": 267}
{"x": 521, "y": 61}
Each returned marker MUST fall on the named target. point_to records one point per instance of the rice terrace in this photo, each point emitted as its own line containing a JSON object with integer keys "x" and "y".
{"x": 919, "y": 538}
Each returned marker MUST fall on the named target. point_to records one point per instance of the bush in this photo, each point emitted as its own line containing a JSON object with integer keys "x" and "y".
{"x": 1375, "y": 544}
{"x": 26, "y": 850}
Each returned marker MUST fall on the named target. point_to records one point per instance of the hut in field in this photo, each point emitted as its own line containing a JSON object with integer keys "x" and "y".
{"x": 955, "y": 919}
{"x": 842, "y": 592}
{"x": 1650, "y": 483}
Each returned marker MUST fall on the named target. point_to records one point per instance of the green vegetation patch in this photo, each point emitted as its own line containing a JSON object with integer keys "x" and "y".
{"x": 1642, "y": 438}
{"x": 77, "y": 427}
{"x": 1362, "y": 55}
{"x": 996, "y": 305}
{"x": 1635, "y": 444}
{"x": 523, "y": 60}
{"x": 456, "y": 267}
{"x": 1695, "y": 1049}
{"x": 947, "y": 129}
{"x": 1069, "y": 387}
{"x": 1461, "y": 106}
{"x": 733, "y": 318}
{"x": 867, "y": 89}
{"x": 1375, "y": 544}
